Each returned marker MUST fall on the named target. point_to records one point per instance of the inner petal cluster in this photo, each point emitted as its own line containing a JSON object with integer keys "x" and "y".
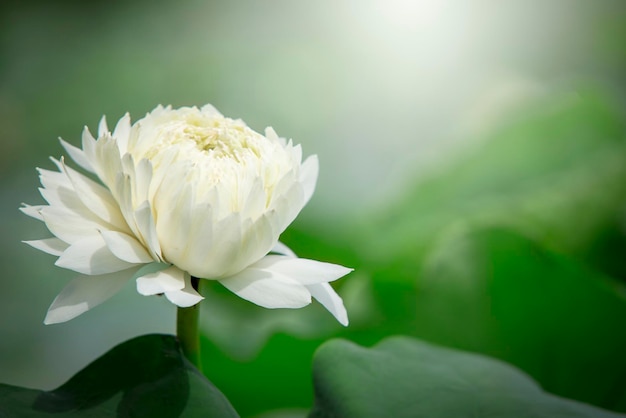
{"x": 213, "y": 136}
{"x": 219, "y": 155}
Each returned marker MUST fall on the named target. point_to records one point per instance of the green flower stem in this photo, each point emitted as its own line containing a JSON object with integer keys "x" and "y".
{"x": 187, "y": 330}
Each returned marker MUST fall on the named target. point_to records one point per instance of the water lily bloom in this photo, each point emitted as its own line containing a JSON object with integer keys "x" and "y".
{"x": 183, "y": 193}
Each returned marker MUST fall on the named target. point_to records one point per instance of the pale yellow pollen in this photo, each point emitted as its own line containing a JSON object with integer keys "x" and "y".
{"x": 216, "y": 137}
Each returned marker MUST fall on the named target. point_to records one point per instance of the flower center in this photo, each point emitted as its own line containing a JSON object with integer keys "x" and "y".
{"x": 214, "y": 138}
{"x": 221, "y": 156}
{"x": 219, "y": 137}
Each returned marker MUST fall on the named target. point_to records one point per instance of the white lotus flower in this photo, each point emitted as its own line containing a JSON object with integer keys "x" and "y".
{"x": 185, "y": 192}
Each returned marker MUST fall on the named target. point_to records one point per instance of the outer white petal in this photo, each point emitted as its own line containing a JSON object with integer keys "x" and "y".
{"x": 302, "y": 270}
{"x": 83, "y": 293}
{"x": 174, "y": 223}
{"x": 91, "y": 256}
{"x": 106, "y": 160}
{"x": 53, "y": 180}
{"x": 271, "y": 134}
{"x": 121, "y": 132}
{"x": 296, "y": 152}
{"x": 322, "y": 292}
{"x": 157, "y": 176}
{"x": 126, "y": 248}
{"x": 139, "y": 177}
{"x": 52, "y": 246}
{"x": 140, "y": 221}
{"x": 185, "y": 297}
{"x": 122, "y": 192}
{"x": 168, "y": 280}
{"x": 95, "y": 197}
{"x": 281, "y": 248}
{"x": 194, "y": 245}
{"x": 256, "y": 241}
{"x": 68, "y": 226}
{"x": 62, "y": 198}
{"x": 268, "y": 289}
{"x": 325, "y": 295}
{"x": 67, "y": 199}
{"x": 285, "y": 183}
{"x": 102, "y": 126}
{"x": 254, "y": 200}
{"x": 288, "y": 205}
{"x": 32, "y": 211}
{"x": 308, "y": 176}
{"x": 60, "y": 194}
{"x": 219, "y": 257}
{"x": 89, "y": 146}
{"x": 78, "y": 155}
{"x": 143, "y": 178}
{"x": 210, "y": 109}
{"x": 147, "y": 229}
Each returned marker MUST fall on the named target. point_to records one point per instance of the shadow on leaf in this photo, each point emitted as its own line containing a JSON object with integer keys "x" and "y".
{"x": 144, "y": 377}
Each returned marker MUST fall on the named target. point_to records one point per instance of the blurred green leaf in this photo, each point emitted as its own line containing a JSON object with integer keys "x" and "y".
{"x": 279, "y": 376}
{"x": 144, "y": 377}
{"x": 504, "y": 295}
{"x": 403, "y": 377}
{"x": 556, "y": 175}
{"x": 557, "y": 172}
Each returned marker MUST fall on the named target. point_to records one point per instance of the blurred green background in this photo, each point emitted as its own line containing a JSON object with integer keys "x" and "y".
{"x": 473, "y": 172}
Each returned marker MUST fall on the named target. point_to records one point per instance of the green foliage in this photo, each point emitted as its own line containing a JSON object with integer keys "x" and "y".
{"x": 557, "y": 172}
{"x": 501, "y": 294}
{"x": 407, "y": 378}
{"x": 512, "y": 250}
{"x": 144, "y": 377}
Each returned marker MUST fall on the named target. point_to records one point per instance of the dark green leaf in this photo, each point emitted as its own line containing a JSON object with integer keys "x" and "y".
{"x": 406, "y": 378}
{"x": 145, "y": 377}
{"x": 504, "y": 295}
